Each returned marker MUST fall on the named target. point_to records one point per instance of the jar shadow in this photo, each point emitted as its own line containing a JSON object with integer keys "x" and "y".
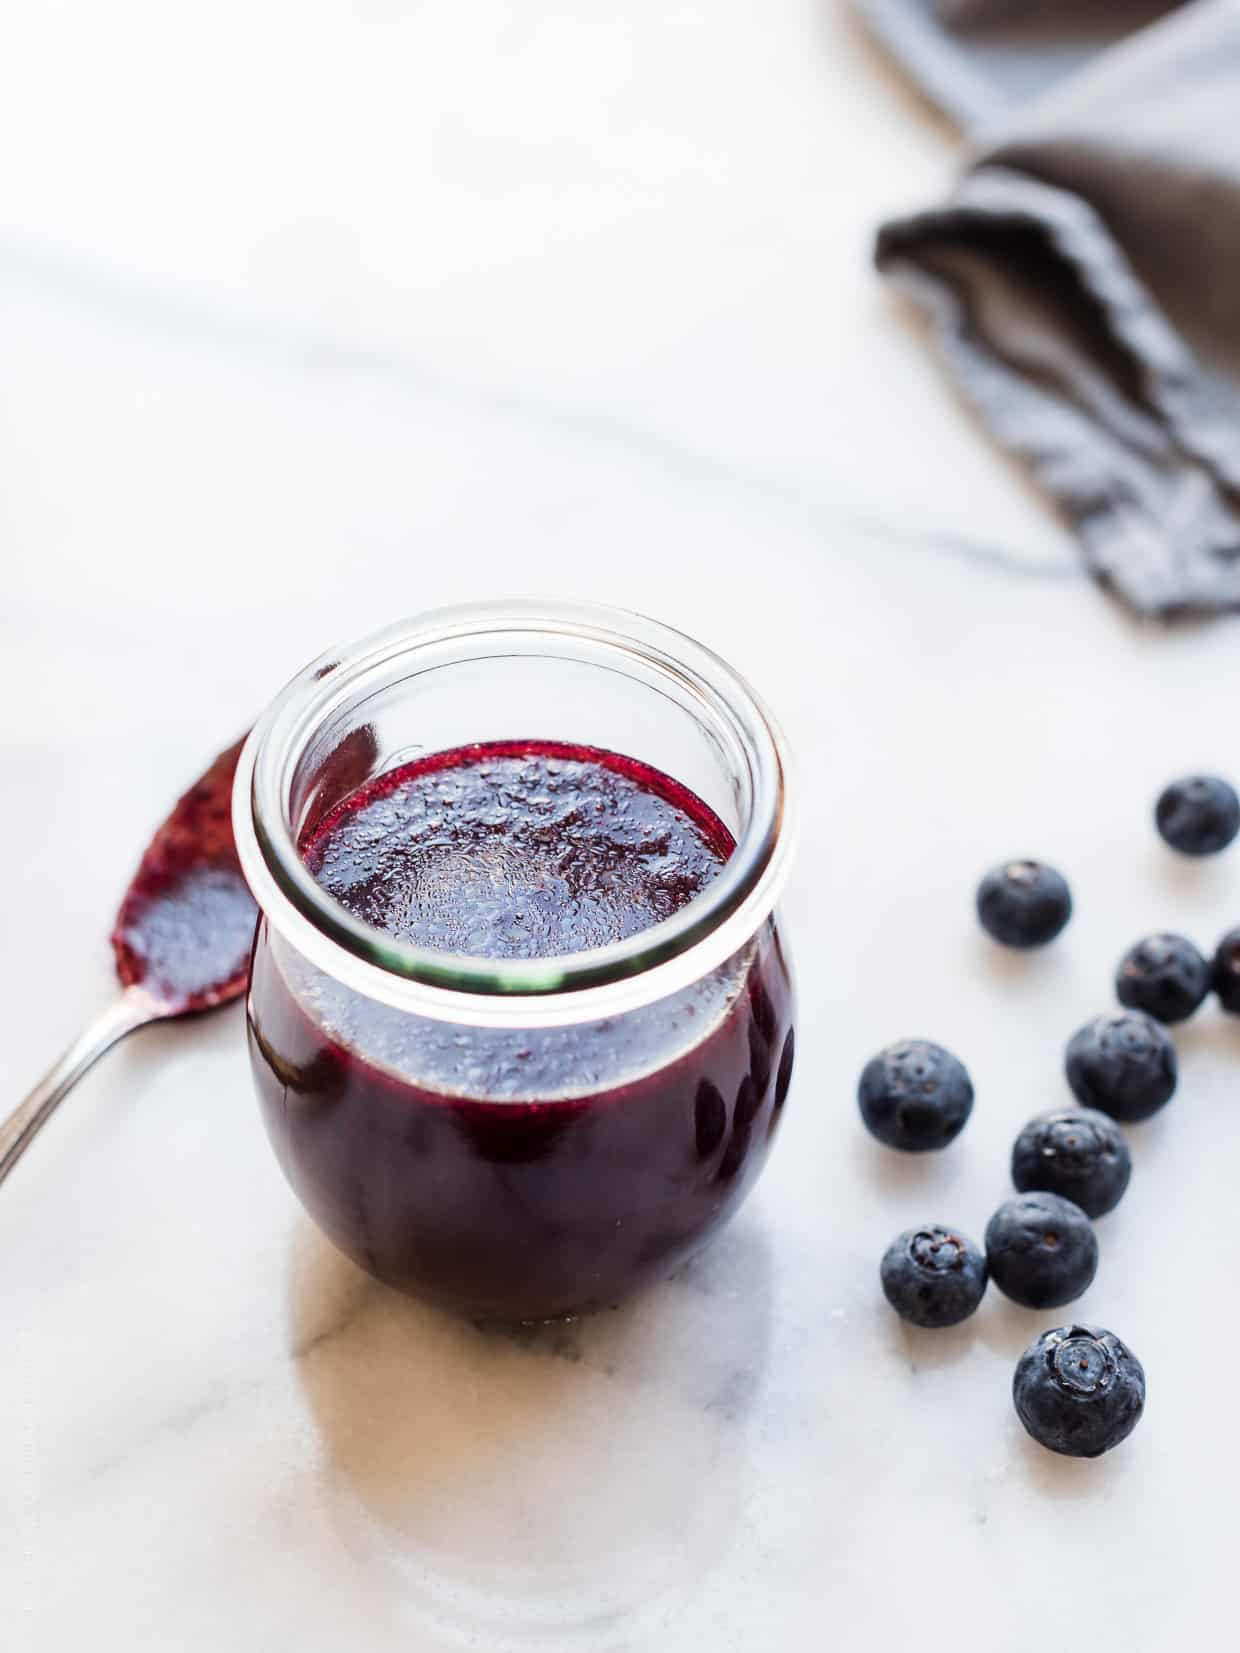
{"x": 514, "y": 1486}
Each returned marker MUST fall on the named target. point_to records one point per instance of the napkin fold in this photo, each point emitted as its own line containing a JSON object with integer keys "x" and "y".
{"x": 1083, "y": 278}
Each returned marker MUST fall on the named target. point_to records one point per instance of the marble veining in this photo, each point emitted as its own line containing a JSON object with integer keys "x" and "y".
{"x": 271, "y": 343}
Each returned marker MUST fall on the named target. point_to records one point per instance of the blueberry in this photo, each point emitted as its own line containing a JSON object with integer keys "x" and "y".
{"x": 1076, "y": 1152}
{"x": 1199, "y": 815}
{"x": 1041, "y": 1250}
{"x": 1123, "y": 1063}
{"x": 1078, "y": 1390}
{"x": 933, "y": 1276}
{"x": 1163, "y": 975}
{"x": 915, "y": 1095}
{"x": 1023, "y": 903}
{"x": 1227, "y": 972}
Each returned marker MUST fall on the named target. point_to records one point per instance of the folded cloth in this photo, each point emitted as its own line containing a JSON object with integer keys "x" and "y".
{"x": 1084, "y": 277}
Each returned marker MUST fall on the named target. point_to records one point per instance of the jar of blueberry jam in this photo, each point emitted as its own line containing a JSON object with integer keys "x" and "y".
{"x": 520, "y": 1016}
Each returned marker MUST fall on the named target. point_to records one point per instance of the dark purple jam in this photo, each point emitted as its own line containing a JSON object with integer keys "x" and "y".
{"x": 508, "y": 1171}
{"x": 186, "y": 924}
{"x": 518, "y": 850}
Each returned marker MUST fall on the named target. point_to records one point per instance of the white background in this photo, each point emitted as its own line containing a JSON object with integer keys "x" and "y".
{"x": 315, "y": 315}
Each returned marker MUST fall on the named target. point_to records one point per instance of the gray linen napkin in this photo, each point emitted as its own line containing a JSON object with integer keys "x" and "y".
{"x": 1084, "y": 277}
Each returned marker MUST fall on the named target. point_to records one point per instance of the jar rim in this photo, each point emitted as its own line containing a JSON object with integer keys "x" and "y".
{"x": 673, "y": 953}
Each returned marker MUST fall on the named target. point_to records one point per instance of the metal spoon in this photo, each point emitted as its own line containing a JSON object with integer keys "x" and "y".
{"x": 182, "y": 942}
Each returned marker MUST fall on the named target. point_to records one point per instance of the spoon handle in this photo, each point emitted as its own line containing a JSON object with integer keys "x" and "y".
{"x": 133, "y": 1009}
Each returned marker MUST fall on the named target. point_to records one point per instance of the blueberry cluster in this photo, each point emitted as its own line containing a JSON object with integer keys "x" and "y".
{"x": 1077, "y": 1389}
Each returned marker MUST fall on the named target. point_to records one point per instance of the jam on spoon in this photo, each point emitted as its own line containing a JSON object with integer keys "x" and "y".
{"x": 184, "y": 929}
{"x": 182, "y": 941}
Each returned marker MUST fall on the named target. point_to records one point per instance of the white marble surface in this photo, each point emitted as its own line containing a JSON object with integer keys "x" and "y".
{"x": 312, "y": 315}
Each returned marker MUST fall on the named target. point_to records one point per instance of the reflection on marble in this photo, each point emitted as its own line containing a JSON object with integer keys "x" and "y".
{"x": 575, "y": 303}
{"x": 453, "y": 1451}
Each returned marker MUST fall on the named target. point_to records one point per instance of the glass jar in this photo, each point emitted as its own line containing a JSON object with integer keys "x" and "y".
{"x": 518, "y": 1138}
